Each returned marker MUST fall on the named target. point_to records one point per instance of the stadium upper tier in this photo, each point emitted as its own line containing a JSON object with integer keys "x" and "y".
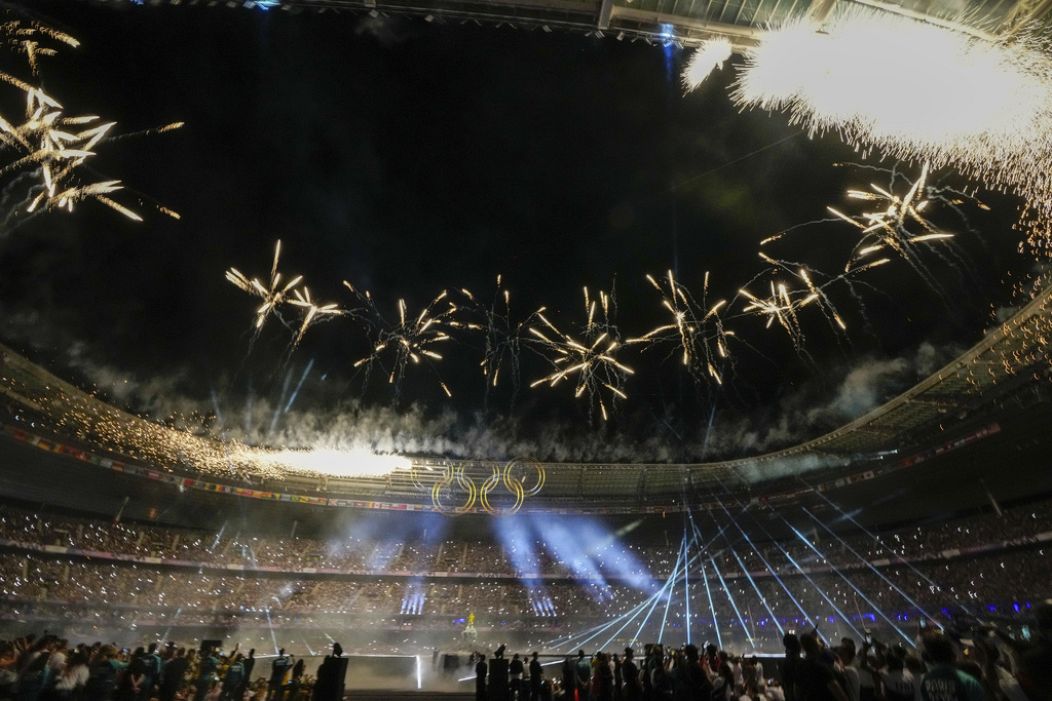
{"x": 964, "y": 402}
{"x": 682, "y": 22}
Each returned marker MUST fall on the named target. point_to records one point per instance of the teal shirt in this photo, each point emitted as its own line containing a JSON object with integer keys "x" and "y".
{"x": 946, "y": 683}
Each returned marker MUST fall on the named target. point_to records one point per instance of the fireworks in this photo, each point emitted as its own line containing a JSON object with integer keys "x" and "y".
{"x": 412, "y": 341}
{"x": 697, "y": 330}
{"x": 786, "y": 298}
{"x": 313, "y": 313}
{"x": 274, "y": 294}
{"x": 708, "y": 57}
{"x": 591, "y": 361}
{"x": 168, "y": 447}
{"x": 32, "y": 40}
{"x": 353, "y": 462}
{"x": 503, "y": 336}
{"x": 916, "y": 92}
{"x": 901, "y": 222}
{"x": 49, "y": 142}
{"x": 889, "y": 227}
{"x": 780, "y": 305}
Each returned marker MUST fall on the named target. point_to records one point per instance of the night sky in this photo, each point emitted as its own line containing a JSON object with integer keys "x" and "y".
{"x": 410, "y": 157}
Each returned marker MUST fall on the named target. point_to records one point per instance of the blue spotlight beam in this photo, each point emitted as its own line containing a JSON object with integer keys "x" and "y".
{"x": 770, "y": 568}
{"x": 596, "y": 630}
{"x": 686, "y": 584}
{"x": 774, "y": 572}
{"x": 652, "y": 601}
{"x": 631, "y": 615}
{"x": 847, "y": 580}
{"x": 745, "y": 570}
{"x": 806, "y": 576}
{"x": 628, "y": 617}
{"x": 821, "y": 592}
{"x": 875, "y": 571}
{"x": 730, "y": 598}
{"x": 653, "y": 605}
{"x": 666, "y": 589}
{"x": 761, "y": 597}
{"x": 705, "y": 577}
{"x": 672, "y": 590}
{"x": 877, "y": 540}
{"x": 712, "y": 608}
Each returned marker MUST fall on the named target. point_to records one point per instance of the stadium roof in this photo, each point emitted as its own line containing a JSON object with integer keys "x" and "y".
{"x": 680, "y": 21}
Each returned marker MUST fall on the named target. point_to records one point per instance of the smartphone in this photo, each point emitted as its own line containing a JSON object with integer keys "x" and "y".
{"x": 923, "y": 623}
{"x": 1024, "y": 633}
{"x": 869, "y": 638}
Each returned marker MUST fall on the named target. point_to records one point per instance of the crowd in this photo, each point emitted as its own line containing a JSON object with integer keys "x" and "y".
{"x": 966, "y": 662}
{"x": 56, "y": 587}
{"x": 1005, "y": 581}
{"x": 378, "y": 553}
{"x": 49, "y": 668}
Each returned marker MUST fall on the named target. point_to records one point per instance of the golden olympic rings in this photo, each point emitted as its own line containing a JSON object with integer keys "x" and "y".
{"x": 513, "y": 476}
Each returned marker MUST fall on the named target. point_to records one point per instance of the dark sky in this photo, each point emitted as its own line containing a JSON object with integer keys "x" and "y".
{"x": 410, "y": 157}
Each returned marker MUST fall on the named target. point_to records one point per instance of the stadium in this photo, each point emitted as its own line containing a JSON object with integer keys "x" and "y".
{"x": 503, "y": 350}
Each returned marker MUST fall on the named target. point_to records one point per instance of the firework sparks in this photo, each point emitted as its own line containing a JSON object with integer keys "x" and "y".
{"x": 413, "y": 339}
{"x": 166, "y": 446}
{"x": 273, "y": 294}
{"x": 50, "y": 143}
{"x": 780, "y": 305}
{"x": 696, "y": 329}
{"x": 900, "y": 223}
{"x": 980, "y": 106}
{"x": 32, "y": 40}
{"x": 888, "y": 227}
{"x": 313, "y": 313}
{"x": 503, "y": 336}
{"x": 590, "y": 359}
{"x": 708, "y": 57}
{"x": 65, "y": 199}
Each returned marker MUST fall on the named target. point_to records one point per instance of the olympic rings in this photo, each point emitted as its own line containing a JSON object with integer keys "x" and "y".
{"x": 451, "y": 474}
{"x": 456, "y": 476}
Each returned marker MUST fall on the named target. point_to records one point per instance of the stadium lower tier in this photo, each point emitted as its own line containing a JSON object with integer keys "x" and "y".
{"x": 410, "y": 614}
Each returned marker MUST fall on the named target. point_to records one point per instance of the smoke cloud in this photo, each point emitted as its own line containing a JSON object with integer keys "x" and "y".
{"x": 351, "y": 424}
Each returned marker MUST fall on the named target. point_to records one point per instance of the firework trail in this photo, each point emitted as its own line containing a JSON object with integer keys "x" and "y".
{"x": 32, "y": 40}
{"x": 312, "y": 313}
{"x": 502, "y": 335}
{"x": 410, "y": 341}
{"x": 589, "y": 358}
{"x": 900, "y": 222}
{"x": 273, "y": 295}
{"x": 50, "y": 143}
{"x": 780, "y": 305}
{"x": 896, "y": 224}
{"x": 959, "y": 98}
{"x": 696, "y": 329}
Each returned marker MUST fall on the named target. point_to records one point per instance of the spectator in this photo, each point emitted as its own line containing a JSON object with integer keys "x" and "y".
{"x": 944, "y": 681}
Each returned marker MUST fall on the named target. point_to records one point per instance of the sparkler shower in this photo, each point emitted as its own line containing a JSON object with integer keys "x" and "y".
{"x": 837, "y": 77}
